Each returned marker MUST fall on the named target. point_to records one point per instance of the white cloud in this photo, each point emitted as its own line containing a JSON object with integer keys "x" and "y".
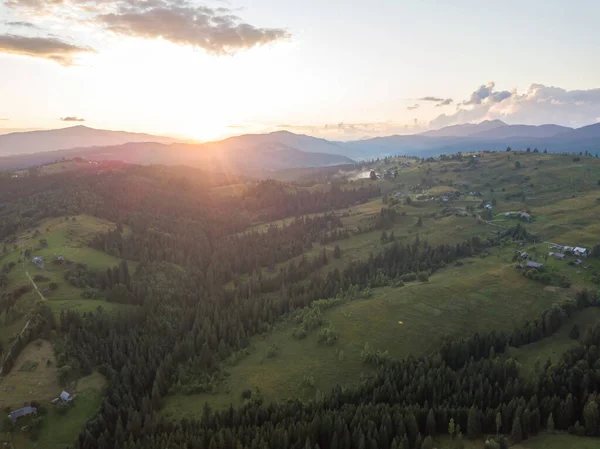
{"x": 184, "y": 22}
{"x": 538, "y": 105}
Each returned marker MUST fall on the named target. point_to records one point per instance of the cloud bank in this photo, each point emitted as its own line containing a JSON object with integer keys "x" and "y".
{"x": 50, "y": 48}
{"x": 217, "y": 31}
{"x": 440, "y": 101}
{"x": 538, "y": 105}
{"x": 72, "y": 119}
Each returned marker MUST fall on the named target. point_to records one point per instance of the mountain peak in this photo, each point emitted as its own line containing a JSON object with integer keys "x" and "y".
{"x": 496, "y": 122}
{"x": 465, "y": 129}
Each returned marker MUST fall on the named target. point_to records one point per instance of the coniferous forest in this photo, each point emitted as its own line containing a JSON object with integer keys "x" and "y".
{"x": 207, "y": 282}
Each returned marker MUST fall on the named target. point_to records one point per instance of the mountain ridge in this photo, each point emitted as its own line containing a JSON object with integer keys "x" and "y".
{"x": 28, "y": 142}
{"x": 271, "y": 149}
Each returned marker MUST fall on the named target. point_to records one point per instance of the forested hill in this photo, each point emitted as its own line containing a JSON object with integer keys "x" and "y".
{"x": 221, "y": 260}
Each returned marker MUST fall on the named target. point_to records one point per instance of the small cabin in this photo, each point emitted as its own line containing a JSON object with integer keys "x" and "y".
{"x": 24, "y": 411}
{"x": 66, "y": 397}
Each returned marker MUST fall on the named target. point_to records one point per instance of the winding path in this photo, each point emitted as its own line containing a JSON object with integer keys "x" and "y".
{"x": 35, "y": 286}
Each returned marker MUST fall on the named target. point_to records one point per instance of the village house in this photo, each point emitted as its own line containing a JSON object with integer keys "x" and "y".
{"x": 530, "y": 264}
{"x": 525, "y": 216}
{"x": 38, "y": 261}
{"x": 576, "y": 251}
{"x": 558, "y": 256}
{"x": 66, "y": 397}
{"x": 24, "y": 411}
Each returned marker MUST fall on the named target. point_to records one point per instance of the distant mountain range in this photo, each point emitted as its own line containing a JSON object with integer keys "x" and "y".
{"x": 64, "y": 138}
{"x": 488, "y": 135}
{"x": 274, "y": 151}
{"x": 283, "y": 149}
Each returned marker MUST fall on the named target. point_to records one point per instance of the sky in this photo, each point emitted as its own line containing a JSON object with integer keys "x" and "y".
{"x": 337, "y": 69}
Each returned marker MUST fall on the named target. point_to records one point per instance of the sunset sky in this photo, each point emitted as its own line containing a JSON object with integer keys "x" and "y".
{"x": 336, "y": 69}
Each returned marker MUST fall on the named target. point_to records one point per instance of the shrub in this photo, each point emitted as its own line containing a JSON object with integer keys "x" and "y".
{"x": 423, "y": 276}
{"x": 328, "y": 336}
{"x": 62, "y": 408}
{"x": 574, "y": 334}
{"x": 408, "y": 277}
{"x": 308, "y": 381}
{"x": 272, "y": 351}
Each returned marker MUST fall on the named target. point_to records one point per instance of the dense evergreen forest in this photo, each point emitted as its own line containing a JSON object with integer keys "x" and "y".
{"x": 189, "y": 244}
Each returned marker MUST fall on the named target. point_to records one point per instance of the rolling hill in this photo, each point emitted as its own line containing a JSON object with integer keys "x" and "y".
{"x": 75, "y": 136}
{"x": 465, "y": 129}
{"x": 491, "y": 136}
{"x": 283, "y": 149}
{"x": 270, "y": 156}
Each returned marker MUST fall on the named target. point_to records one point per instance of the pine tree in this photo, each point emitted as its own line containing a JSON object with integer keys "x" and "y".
{"x": 431, "y": 423}
{"x": 418, "y": 442}
{"x": 460, "y": 444}
{"x": 337, "y": 252}
{"x": 473, "y": 424}
{"x": 516, "y": 434}
{"x": 591, "y": 417}
{"x": 451, "y": 428}
{"x": 550, "y": 424}
{"x": 427, "y": 443}
{"x": 405, "y": 443}
{"x": 498, "y": 423}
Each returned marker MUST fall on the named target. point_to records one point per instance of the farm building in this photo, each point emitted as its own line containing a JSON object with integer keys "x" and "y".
{"x": 558, "y": 256}
{"x": 531, "y": 264}
{"x": 38, "y": 261}
{"x": 523, "y": 254}
{"x": 576, "y": 250}
{"x": 25, "y": 411}
{"x": 525, "y": 216}
{"x": 66, "y": 397}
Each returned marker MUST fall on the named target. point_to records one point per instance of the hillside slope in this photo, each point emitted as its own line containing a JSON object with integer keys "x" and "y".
{"x": 75, "y": 136}
{"x": 268, "y": 156}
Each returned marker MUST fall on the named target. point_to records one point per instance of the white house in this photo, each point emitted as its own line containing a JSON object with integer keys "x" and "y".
{"x": 66, "y": 397}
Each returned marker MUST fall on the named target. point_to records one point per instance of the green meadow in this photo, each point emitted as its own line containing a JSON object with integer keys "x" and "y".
{"x": 480, "y": 295}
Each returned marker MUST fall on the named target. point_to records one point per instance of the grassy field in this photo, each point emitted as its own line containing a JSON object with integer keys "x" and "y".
{"x": 560, "y": 441}
{"x": 542, "y": 441}
{"x": 60, "y": 430}
{"x": 59, "y": 167}
{"x": 25, "y": 385}
{"x": 482, "y": 295}
{"x": 40, "y": 384}
{"x": 64, "y": 237}
{"x": 229, "y": 190}
{"x": 556, "y": 345}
